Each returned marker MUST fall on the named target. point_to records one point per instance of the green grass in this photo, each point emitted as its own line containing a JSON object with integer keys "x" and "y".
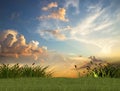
{"x": 16, "y": 71}
{"x": 36, "y": 78}
{"x": 60, "y": 84}
{"x": 107, "y": 71}
{"x": 101, "y": 70}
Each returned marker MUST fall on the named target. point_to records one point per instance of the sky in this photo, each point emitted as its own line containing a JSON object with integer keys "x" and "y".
{"x": 53, "y": 29}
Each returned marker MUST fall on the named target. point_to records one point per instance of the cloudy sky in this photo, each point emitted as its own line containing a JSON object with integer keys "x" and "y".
{"x": 36, "y": 28}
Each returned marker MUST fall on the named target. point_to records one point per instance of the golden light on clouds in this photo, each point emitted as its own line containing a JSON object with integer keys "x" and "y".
{"x": 59, "y": 14}
{"x": 49, "y": 6}
{"x": 14, "y": 44}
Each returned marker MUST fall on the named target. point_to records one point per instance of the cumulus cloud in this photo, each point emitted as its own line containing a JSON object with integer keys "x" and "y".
{"x": 14, "y": 44}
{"x": 49, "y": 6}
{"x": 58, "y": 15}
{"x": 53, "y": 34}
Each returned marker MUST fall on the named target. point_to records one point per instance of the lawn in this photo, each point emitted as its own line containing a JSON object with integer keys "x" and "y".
{"x": 60, "y": 84}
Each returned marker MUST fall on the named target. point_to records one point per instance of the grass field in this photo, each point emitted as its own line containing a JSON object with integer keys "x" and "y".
{"x": 36, "y": 78}
{"x": 60, "y": 84}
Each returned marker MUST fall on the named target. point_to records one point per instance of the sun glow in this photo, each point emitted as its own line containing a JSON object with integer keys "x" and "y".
{"x": 106, "y": 51}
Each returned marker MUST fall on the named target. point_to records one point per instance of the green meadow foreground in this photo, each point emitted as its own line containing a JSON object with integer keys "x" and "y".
{"x": 60, "y": 84}
{"x": 37, "y": 78}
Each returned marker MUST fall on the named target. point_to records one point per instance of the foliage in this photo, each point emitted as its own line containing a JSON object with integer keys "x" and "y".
{"x": 102, "y": 70}
{"x": 15, "y": 71}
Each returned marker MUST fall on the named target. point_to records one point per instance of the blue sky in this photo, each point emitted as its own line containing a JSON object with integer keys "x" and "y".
{"x": 82, "y": 27}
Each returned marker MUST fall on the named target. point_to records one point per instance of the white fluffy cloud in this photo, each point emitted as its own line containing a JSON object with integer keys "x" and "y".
{"x": 14, "y": 44}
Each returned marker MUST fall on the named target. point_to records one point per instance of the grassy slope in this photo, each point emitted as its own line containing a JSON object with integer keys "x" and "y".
{"x": 60, "y": 84}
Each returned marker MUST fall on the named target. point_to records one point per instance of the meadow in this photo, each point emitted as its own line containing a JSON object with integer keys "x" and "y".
{"x": 37, "y": 78}
{"x": 60, "y": 84}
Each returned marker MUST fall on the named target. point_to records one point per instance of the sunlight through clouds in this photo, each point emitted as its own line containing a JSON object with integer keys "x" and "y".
{"x": 94, "y": 23}
{"x": 98, "y": 26}
{"x": 64, "y": 34}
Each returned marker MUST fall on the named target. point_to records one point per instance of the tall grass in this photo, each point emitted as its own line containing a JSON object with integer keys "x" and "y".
{"x": 15, "y": 71}
{"x": 109, "y": 70}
